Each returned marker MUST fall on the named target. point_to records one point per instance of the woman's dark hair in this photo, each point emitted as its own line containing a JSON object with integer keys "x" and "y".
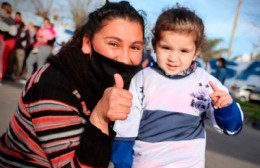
{"x": 180, "y": 20}
{"x": 96, "y": 20}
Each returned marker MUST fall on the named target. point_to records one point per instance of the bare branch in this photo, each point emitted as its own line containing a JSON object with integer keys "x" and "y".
{"x": 43, "y": 7}
{"x": 81, "y": 8}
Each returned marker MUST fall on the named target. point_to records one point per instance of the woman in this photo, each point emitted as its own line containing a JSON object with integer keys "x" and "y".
{"x": 42, "y": 49}
{"x": 8, "y": 32}
{"x": 64, "y": 113}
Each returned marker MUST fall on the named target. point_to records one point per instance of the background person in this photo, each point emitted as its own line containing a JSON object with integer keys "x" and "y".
{"x": 18, "y": 18}
{"x": 8, "y": 31}
{"x": 18, "y": 55}
{"x": 42, "y": 49}
{"x": 221, "y": 73}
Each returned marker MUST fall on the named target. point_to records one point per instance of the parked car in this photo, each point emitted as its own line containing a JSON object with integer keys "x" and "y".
{"x": 254, "y": 95}
{"x": 242, "y": 93}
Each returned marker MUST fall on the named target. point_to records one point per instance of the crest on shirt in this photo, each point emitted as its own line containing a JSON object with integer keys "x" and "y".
{"x": 142, "y": 93}
{"x": 200, "y": 98}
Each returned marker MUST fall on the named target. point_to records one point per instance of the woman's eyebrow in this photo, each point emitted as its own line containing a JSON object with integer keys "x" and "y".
{"x": 138, "y": 42}
{"x": 119, "y": 39}
{"x": 114, "y": 38}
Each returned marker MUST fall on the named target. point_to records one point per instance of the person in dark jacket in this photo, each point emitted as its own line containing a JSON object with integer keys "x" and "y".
{"x": 8, "y": 31}
{"x": 17, "y": 57}
{"x": 67, "y": 108}
{"x": 221, "y": 73}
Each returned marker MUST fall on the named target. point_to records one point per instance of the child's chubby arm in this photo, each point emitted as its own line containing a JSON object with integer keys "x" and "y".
{"x": 219, "y": 97}
{"x": 227, "y": 112}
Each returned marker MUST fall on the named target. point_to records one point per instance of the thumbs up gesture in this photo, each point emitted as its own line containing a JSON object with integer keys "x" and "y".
{"x": 119, "y": 82}
{"x": 114, "y": 105}
{"x": 219, "y": 97}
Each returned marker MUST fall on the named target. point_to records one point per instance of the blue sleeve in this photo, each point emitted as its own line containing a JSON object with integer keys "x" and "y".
{"x": 122, "y": 155}
{"x": 229, "y": 118}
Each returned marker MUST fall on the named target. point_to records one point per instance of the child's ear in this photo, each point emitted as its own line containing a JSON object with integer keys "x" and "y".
{"x": 196, "y": 54}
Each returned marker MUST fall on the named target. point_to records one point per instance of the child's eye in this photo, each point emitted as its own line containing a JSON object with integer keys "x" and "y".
{"x": 185, "y": 51}
{"x": 165, "y": 47}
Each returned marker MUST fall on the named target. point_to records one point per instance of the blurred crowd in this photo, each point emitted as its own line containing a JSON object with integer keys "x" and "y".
{"x": 23, "y": 47}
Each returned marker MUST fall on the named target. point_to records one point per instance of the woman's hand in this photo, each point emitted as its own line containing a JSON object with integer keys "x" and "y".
{"x": 219, "y": 98}
{"x": 114, "y": 105}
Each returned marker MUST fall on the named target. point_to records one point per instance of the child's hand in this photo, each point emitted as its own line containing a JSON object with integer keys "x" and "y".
{"x": 219, "y": 98}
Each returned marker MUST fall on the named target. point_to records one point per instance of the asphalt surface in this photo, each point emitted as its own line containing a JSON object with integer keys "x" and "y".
{"x": 240, "y": 151}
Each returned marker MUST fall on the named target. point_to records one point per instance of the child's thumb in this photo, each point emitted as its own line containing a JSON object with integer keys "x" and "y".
{"x": 119, "y": 82}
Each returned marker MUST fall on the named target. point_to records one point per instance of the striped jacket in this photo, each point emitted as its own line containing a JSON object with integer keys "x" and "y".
{"x": 49, "y": 129}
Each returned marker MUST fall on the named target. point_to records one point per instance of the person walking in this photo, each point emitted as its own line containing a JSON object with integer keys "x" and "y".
{"x": 221, "y": 73}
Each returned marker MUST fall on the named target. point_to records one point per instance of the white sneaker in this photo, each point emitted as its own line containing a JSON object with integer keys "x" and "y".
{"x": 22, "y": 81}
{"x": 35, "y": 50}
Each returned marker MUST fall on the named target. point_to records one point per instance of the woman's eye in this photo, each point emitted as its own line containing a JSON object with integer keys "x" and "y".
{"x": 114, "y": 44}
{"x": 136, "y": 48}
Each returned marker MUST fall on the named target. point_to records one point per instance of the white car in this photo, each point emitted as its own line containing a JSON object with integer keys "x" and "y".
{"x": 254, "y": 95}
{"x": 242, "y": 93}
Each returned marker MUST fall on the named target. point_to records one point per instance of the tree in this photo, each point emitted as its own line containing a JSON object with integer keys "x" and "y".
{"x": 209, "y": 50}
{"x": 81, "y": 8}
{"x": 42, "y": 7}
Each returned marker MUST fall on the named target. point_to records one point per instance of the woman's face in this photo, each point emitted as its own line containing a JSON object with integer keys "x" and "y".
{"x": 119, "y": 39}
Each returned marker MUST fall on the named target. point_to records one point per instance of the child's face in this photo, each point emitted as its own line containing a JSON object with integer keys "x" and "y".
{"x": 175, "y": 52}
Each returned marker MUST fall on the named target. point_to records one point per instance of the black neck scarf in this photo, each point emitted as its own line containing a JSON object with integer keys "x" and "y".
{"x": 91, "y": 75}
{"x": 104, "y": 69}
{"x": 180, "y": 75}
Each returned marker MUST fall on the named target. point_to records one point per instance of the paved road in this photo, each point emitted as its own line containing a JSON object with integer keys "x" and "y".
{"x": 241, "y": 151}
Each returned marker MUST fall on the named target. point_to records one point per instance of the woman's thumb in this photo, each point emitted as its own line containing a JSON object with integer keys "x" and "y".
{"x": 119, "y": 82}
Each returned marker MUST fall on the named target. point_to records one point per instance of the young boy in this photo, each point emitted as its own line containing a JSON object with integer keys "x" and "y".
{"x": 170, "y": 100}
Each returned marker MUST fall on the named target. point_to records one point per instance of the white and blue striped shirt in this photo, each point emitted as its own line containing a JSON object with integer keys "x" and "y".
{"x": 165, "y": 126}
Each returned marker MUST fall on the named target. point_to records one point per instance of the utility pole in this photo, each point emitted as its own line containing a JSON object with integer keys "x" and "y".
{"x": 233, "y": 30}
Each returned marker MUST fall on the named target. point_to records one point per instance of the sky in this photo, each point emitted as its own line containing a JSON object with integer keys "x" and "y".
{"x": 218, "y": 17}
